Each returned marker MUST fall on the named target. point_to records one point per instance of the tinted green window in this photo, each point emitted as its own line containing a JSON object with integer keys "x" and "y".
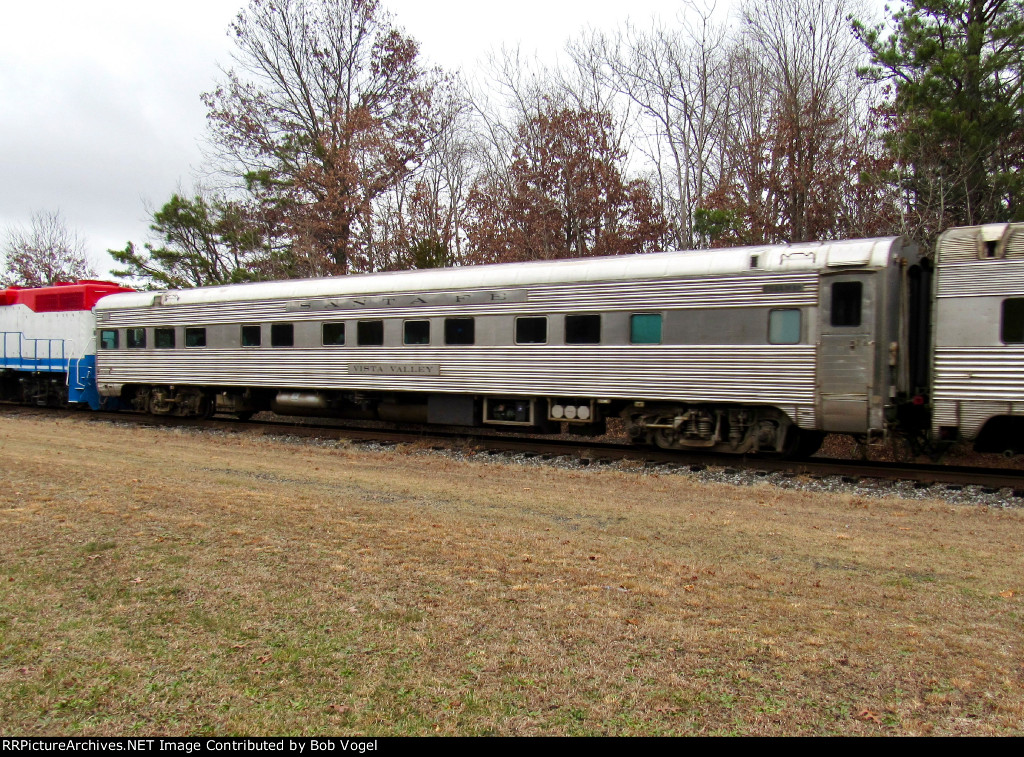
{"x": 195, "y": 337}
{"x": 459, "y": 331}
{"x": 282, "y": 335}
{"x": 135, "y": 339}
{"x": 252, "y": 336}
{"x": 1012, "y": 331}
{"x": 370, "y": 333}
{"x": 784, "y": 327}
{"x": 583, "y": 329}
{"x": 163, "y": 339}
{"x": 108, "y": 339}
{"x": 417, "y": 332}
{"x": 645, "y": 328}
{"x": 333, "y": 334}
{"x": 532, "y": 330}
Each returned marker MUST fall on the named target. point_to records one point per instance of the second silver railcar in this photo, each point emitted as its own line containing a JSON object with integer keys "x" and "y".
{"x": 979, "y": 336}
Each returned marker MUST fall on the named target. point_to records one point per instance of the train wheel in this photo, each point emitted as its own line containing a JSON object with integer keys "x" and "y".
{"x": 665, "y": 439}
{"x": 802, "y": 443}
{"x": 155, "y": 404}
{"x": 205, "y": 406}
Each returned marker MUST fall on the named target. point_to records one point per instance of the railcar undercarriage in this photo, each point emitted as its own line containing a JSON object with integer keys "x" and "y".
{"x": 711, "y": 428}
{"x": 714, "y": 428}
{"x": 185, "y": 401}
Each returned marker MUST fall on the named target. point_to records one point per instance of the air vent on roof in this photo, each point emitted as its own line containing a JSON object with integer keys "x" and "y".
{"x": 856, "y": 253}
{"x": 992, "y": 241}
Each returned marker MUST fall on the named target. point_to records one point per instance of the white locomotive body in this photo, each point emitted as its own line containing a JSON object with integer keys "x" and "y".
{"x": 47, "y": 347}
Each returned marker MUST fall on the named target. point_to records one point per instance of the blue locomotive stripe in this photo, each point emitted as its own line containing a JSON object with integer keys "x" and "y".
{"x": 41, "y": 365}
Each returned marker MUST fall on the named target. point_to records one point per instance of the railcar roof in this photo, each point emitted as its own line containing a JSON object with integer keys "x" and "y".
{"x": 860, "y": 253}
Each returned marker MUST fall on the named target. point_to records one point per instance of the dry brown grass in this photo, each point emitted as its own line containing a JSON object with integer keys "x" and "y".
{"x": 166, "y": 582}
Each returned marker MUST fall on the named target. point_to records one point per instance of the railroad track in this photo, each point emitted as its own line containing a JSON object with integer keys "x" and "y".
{"x": 585, "y": 452}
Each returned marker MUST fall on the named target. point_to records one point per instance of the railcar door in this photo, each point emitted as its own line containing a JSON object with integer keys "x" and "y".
{"x": 846, "y": 352}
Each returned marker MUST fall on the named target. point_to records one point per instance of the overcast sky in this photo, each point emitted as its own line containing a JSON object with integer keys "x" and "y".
{"x": 100, "y": 115}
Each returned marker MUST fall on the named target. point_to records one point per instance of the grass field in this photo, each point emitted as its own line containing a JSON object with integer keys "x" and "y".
{"x": 168, "y": 582}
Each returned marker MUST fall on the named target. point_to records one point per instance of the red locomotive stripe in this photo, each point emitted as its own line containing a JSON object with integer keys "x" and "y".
{"x": 61, "y": 297}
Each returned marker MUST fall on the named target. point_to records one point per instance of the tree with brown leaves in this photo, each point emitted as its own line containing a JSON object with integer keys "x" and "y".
{"x": 420, "y": 224}
{"x": 328, "y": 108}
{"x": 563, "y": 196}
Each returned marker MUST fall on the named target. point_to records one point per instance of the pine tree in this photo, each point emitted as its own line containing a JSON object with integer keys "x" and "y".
{"x": 205, "y": 241}
{"x": 956, "y": 108}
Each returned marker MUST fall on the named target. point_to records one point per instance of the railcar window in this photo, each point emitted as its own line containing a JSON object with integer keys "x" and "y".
{"x": 252, "y": 336}
{"x": 135, "y": 339}
{"x": 282, "y": 335}
{"x": 195, "y": 337}
{"x": 784, "y": 326}
{"x": 532, "y": 330}
{"x": 333, "y": 334}
{"x": 417, "y": 332}
{"x": 846, "y": 303}
{"x": 645, "y": 328}
{"x": 108, "y": 339}
{"x": 370, "y": 333}
{"x": 1012, "y": 330}
{"x": 163, "y": 339}
{"x": 459, "y": 331}
{"x": 583, "y": 329}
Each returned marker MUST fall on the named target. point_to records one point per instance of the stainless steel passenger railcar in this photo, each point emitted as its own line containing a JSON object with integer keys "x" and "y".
{"x": 979, "y": 336}
{"x": 747, "y": 349}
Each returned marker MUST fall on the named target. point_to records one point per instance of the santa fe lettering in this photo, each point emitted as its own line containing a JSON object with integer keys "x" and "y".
{"x": 412, "y": 300}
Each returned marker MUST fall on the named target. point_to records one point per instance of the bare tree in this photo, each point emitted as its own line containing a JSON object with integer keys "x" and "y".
{"x": 799, "y": 160}
{"x": 512, "y": 92}
{"x": 675, "y": 79}
{"x": 421, "y": 222}
{"x": 45, "y": 253}
{"x": 811, "y": 56}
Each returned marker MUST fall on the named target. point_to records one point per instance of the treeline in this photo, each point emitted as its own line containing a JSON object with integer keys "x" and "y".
{"x": 338, "y": 149}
